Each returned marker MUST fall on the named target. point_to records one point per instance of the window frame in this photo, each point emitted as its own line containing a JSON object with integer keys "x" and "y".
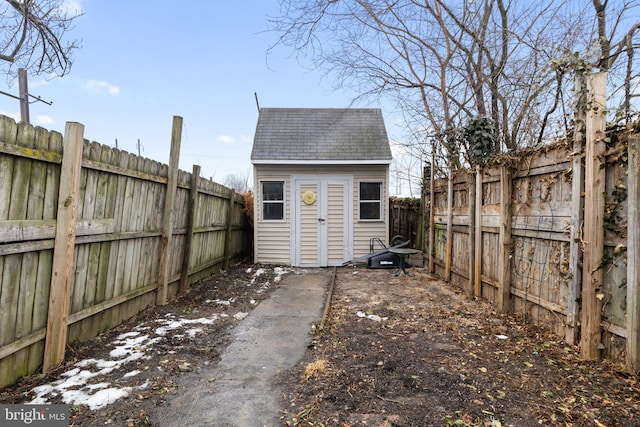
{"x": 282, "y": 202}
{"x": 380, "y": 200}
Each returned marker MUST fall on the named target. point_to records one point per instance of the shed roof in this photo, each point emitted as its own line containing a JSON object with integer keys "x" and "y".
{"x": 321, "y": 135}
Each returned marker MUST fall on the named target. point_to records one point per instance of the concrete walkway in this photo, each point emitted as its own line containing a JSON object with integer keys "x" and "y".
{"x": 239, "y": 391}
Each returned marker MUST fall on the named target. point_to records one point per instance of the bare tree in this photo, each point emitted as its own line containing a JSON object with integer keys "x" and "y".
{"x": 446, "y": 63}
{"x": 610, "y": 17}
{"x": 238, "y": 182}
{"x": 32, "y": 36}
{"x": 405, "y": 171}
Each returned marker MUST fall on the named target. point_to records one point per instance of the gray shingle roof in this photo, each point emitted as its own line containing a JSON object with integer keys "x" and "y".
{"x": 321, "y": 134}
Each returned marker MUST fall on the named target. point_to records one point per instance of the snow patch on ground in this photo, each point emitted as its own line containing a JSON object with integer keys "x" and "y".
{"x": 373, "y": 317}
{"x": 278, "y": 271}
{"x": 74, "y": 387}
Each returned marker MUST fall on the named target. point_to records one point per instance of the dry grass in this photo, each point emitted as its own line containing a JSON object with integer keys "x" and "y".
{"x": 315, "y": 369}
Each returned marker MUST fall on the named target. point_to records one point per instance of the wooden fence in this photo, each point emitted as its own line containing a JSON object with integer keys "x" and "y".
{"x": 552, "y": 234}
{"x": 91, "y": 235}
{"x": 404, "y": 220}
{"x": 527, "y": 255}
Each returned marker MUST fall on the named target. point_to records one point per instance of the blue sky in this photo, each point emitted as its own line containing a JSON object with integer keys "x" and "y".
{"x": 144, "y": 61}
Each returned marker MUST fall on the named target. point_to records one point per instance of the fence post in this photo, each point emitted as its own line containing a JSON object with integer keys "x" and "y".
{"x": 393, "y": 218}
{"x": 419, "y": 244}
{"x": 449, "y": 247}
{"x": 167, "y": 213}
{"x": 471, "y": 184}
{"x": 64, "y": 246}
{"x": 432, "y": 220}
{"x": 577, "y": 213}
{"x": 477, "y": 285}
{"x": 227, "y": 234}
{"x": 504, "y": 261}
{"x": 192, "y": 207}
{"x": 633, "y": 256}
{"x": 594, "y": 187}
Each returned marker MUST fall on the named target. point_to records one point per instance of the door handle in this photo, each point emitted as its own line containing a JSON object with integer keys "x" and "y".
{"x": 321, "y": 219}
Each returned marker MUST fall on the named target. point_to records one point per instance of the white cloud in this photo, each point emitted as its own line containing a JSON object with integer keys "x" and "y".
{"x": 398, "y": 149}
{"x": 43, "y": 119}
{"x": 72, "y": 7}
{"x": 38, "y": 83}
{"x": 100, "y": 86}
{"x": 226, "y": 139}
{"x": 39, "y": 120}
{"x": 13, "y": 114}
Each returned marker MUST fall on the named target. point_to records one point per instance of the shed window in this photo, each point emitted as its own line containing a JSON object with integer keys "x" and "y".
{"x": 371, "y": 200}
{"x": 273, "y": 200}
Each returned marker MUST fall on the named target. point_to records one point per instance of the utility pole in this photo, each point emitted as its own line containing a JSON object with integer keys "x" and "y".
{"x": 24, "y": 95}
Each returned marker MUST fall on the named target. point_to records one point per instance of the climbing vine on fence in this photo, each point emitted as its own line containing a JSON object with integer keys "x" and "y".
{"x": 480, "y": 134}
{"x": 413, "y": 202}
{"x": 616, "y": 156}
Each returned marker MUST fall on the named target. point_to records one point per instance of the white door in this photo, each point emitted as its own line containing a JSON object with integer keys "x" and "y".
{"x": 322, "y": 231}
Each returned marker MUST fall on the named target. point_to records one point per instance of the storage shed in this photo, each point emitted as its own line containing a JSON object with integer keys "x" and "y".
{"x": 321, "y": 180}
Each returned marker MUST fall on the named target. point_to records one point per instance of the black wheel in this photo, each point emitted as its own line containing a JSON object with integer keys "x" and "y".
{"x": 396, "y": 240}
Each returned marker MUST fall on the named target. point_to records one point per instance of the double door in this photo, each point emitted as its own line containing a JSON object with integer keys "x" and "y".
{"x": 322, "y": 223}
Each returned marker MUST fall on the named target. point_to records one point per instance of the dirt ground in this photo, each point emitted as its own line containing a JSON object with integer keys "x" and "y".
{"x": 426, "y": 354}
{"x": 393, "y": 351}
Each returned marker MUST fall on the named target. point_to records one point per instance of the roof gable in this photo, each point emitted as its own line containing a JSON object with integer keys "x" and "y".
{"x": 321, "y": 135}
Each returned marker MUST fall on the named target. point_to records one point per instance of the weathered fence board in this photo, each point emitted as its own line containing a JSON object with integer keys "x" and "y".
{"x": 633, "y": 253}
{"x": 118, "y": 229}
{"x": 404, "y": 221}
{"x": 64, "y": 246}
{"x": 544, "y": 231}
{"x": 594, "y": 188}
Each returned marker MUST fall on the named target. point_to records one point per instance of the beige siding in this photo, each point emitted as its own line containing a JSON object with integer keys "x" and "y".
{"x": 273, "y": 239}
{"x": 363, "y": 231}
{"x": 273, "y": 245}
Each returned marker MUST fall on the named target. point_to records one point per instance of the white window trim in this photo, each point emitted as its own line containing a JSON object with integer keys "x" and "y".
{"x": 381, "y": 201}
{"x": 284, "y": 200}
